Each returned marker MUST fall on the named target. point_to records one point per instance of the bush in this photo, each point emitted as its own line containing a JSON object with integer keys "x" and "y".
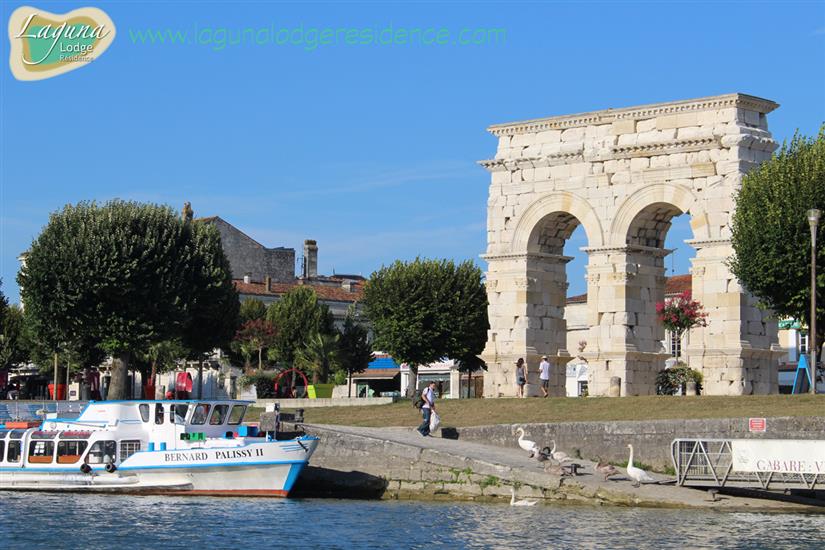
{"x": 670, "y": 381}
{"x": 264, "y": 383}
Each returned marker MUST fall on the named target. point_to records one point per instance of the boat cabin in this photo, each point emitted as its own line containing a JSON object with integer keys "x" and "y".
{"x": 107, "y": 433}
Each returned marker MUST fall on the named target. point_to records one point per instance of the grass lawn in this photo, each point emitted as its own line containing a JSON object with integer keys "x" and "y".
{"x": 477, "y": 412}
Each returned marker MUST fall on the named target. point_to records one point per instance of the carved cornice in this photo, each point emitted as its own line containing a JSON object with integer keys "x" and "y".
{"x": 525, "y": 256}
{"x": 594, "y": 155}
{"x": 665, "y": 147}
{"x": 606, "y": 116}
{"x": 629, "y": 249}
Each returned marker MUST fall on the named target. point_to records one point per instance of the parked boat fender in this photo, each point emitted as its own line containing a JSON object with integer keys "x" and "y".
{"x": 85, "y": 468}
{"x": 111, "y": 468}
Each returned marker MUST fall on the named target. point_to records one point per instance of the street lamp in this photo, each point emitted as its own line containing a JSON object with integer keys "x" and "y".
{"x": 813, "y": 221}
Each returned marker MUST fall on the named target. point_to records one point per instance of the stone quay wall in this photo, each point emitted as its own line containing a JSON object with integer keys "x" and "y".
{"x": 651, "y": 440}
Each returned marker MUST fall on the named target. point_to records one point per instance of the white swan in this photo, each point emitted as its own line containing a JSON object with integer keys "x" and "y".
{"x": 636, "y": 474}
{"x": 526, "y": 444}
{"x": 558, "y": 456}
{"x": 514, "y": 502}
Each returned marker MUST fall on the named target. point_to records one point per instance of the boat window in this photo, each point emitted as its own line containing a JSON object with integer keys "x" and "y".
{"x": 43, "y": 435}
{"x": 144, "y": 412}
{"x": 17, "y": 434}
{"x": 69, "y": 452}
{"x": 158, "y": 413}
{"x": 218, "y": 415}
{"x": 200, "y": 413}
{"x": 3, "y": 434}
{"x": 179, "y": 411}
{"x": 102, "y": 452}
{"x": 14, "y": 451}
{"x": 236, "y": 416}
{"x": 128, "y": 447}
{"x": 41, "y": 452}
{"x": 75, "y": 435}
{"x": 2, "y": 449}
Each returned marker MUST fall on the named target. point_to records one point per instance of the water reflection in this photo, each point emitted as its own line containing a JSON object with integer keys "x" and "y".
{"x": 99, "y": 521}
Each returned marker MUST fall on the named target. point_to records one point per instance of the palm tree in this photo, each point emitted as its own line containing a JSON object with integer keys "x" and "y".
{"x": 320, "y": 356}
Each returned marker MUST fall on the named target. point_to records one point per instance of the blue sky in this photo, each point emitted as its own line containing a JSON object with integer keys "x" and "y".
{"x": 369, "y": 149}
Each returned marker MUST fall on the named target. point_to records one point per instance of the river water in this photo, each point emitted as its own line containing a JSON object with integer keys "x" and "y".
{"x": 34, "y": 520}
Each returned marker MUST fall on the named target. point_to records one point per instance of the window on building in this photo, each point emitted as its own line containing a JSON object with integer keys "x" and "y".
{"x": 103, "y": 452}
{"x": 144, "y": 412}
{"x": 41, "y": 452}
{"x": 69, "y": 452}
{"x": 236, "y": 416}
{"x": 128, "y": 447}
{"x": 200, "y": 413}
{"x": 675, "y": 345}
{"x": 218, "y": 415}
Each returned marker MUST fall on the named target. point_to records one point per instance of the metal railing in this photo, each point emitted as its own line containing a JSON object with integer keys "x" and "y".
{"x": 709, "y": 463}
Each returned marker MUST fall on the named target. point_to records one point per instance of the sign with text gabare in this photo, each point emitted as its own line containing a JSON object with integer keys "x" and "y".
{"x": 788, "y": 456}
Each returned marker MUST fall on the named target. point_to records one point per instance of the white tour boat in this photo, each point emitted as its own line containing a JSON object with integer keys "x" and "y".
{"x": 179, "y": 447}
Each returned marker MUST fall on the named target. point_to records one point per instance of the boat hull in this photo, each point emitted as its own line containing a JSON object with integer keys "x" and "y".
{"x": 258, "y": 469}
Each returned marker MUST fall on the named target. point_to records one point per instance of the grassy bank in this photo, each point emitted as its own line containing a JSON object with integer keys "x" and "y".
{"x": 477, "y": 412}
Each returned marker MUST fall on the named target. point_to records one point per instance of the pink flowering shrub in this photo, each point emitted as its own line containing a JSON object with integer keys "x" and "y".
{"x": 681, "y": 313}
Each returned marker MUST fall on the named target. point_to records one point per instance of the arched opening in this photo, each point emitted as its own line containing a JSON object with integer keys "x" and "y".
{"x": 650, "y": 240}
{"x": 552, "y": 243}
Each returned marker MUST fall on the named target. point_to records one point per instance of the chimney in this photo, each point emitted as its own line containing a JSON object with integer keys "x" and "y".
{"x": 310, "y": 259}
{"x": 247, "y": 278}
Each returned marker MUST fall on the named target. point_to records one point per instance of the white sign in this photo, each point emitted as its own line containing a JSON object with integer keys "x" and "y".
{"x": 790, "y": 456}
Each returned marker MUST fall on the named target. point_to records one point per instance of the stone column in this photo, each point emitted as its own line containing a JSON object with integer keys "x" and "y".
{"x": 526, "y": 294}
{"x": 624, "y": 284}
{"x": 737, "y": 353}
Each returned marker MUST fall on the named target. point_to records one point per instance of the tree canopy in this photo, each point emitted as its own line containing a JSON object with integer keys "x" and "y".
{"x": 355, "y": 347}
{"x": 426, "y": 310}
{"x": 298, "y": 317}
{"x": 771, "y": 236}
{"x": 124, "y": 276}
{"x": 13, "y": 347}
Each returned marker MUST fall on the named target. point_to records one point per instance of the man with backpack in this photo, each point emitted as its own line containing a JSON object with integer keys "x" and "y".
{"x": 427, "y": 408}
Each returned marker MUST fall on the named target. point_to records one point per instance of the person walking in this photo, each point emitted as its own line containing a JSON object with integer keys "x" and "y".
{"x": 521, "y": 377}
{"x": 428, "y": 395}
{"x": 544, "y": 375}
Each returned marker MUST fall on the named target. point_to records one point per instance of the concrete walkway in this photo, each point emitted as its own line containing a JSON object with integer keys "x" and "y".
{"x": 512, "y": 467}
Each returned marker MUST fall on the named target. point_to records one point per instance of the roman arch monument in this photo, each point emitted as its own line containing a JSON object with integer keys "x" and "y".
{"x": 623, "y": 174}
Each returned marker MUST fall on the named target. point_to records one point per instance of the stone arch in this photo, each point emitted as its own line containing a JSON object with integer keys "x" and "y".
{"x": 564, "y": 206}
{"x": 645, "y": 215}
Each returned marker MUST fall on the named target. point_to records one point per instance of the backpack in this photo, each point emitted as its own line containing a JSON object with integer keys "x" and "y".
{"x": 417, "y": 400}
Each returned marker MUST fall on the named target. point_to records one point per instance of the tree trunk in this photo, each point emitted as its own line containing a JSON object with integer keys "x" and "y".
{"x": 260, "y": 362}
{"x": 120, "y": 375}
{"x": 469, "y": 382}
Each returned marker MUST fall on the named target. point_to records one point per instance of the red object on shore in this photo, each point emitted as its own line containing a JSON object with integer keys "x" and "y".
{"x": 61, "y": 392}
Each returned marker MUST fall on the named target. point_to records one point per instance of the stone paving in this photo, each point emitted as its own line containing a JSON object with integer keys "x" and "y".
{"x": 513, "y": 467}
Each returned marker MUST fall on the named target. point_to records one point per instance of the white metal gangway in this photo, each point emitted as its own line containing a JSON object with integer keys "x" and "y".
{"x": 709, "y": 463}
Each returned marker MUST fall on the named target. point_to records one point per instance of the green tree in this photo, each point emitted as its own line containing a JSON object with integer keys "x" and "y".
{"x": 13, "y": 348}
{"x": 771, "y": 236}
{"x": 250, "y": 310}
{"x": 319, "y": 356}
{"x": 298, "y": 316}
{"x": 255, "y": 336}
{"x": 124, "y": 276}
{"x": 426, "y": 310}
{"x": 355, "y": 347}
{"x": 162, "y": 357}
